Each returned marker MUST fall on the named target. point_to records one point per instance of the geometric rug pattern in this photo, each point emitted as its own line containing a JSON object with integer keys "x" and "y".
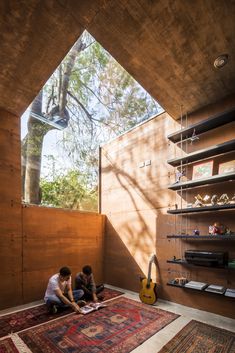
{"x": 36, "y": 315}
{"x": 119, "y": 327}
{"x": 7, "y": 346}
{"x": 197, "y": 337}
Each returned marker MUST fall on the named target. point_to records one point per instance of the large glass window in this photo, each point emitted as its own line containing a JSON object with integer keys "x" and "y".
{"x": 87, "y": 101}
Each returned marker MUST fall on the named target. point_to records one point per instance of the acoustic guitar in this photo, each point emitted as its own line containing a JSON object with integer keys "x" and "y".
{"x": 148, "y": 293}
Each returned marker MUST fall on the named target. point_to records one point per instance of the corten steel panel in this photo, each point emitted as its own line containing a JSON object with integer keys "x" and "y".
{"x": 35, "y": 36}
{"x": 9, "y": 189}
{"x": 60, "y": 221}
{"x": 130, "y": 239}
{"x": 134, "y": 199}
{"x": 123, "y": 166}
{"x": 9, "y": 138}
{"x": 53, "y": 238}
{"x": 10, "y": 218}
{"x": 121, "y": 267}
{"x": 11, "y": 253}
{"x": 10, "y": 211}
{"x": 136, "y": 228}
{"x": 11, "y": 290}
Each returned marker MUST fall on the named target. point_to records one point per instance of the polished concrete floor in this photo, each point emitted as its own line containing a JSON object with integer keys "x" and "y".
{"x": 156, "y": 342}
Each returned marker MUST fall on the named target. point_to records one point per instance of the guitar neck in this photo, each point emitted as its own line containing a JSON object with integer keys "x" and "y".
{"x": 149, "y": 273}
{"x": 149, "y": 270}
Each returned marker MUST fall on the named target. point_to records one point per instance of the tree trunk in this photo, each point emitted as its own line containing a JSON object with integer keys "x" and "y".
{"x": 36, "y": 132}
{"x": 33, "y": 142}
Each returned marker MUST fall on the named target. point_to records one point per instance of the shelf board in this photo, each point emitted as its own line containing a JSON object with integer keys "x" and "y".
{"x": 205, "y": 181}
{"x": 185, "y": 263}
{"x": 201, "y": 291}
{"x": 202, "y": 237}
{"x": 202, "y": 209}
{"x": 203, "y": 126}
{"x": 205, "y": 153}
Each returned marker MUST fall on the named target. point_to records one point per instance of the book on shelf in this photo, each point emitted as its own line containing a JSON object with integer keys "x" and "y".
{"x": 230, "y": 293}
{"x": 196, "y": 285}
{"x": 215, "y": 289}
{"x": 91, "y": 307}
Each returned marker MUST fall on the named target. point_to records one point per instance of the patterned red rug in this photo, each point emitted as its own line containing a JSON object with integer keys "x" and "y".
{"x": 201, "y": 338}
{"x": 37, "y": 315}
{"x": 120, "y": 327}
{"x": 7, "y": 346}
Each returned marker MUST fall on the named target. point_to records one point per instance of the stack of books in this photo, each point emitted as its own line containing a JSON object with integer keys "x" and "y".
{"x": 230, "y": 293}
{"x": 215, "y": 289}
{"x": 196, "y": 285}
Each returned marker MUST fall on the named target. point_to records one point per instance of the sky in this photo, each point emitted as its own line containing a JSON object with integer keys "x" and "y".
{"x": 51, "y": 145}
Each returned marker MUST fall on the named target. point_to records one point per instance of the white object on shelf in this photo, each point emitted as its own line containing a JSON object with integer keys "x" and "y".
{"x": 230, "y": 293}
{"x": 196, "y": 285}
{"x": 215, "y": 289}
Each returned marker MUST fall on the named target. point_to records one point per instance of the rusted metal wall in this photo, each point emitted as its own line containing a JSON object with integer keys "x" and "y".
{"x": 10, "y": 211}
{"x": 136, "y": 199}
{"x": 36, "y": 241}
{"x": 53, "y": 238}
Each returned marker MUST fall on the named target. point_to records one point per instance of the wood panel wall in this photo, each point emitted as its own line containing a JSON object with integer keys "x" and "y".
{"x": 36, "y": 241}
{"x": 135, "y": 199}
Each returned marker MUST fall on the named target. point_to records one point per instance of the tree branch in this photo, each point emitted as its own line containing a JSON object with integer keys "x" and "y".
{"x": 90, "y": 117}
{"x": 97, "y": 97}
{"x": 81, "y": 105}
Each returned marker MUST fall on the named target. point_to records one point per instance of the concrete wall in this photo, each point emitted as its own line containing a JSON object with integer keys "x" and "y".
{"x": 36, "y": 241}
{"x": 136, "y": 199}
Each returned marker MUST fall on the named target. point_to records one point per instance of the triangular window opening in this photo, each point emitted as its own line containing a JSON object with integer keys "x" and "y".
{"x": 88, "y": 100}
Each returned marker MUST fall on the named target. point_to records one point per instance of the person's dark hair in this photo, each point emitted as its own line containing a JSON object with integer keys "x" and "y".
{"x": 65, "y": 271}
{"x": 87, "y": 270}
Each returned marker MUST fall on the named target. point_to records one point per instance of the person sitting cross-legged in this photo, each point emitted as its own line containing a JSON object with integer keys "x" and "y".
{"x": 59, "y": 292}
{"x": 85, "y": 281}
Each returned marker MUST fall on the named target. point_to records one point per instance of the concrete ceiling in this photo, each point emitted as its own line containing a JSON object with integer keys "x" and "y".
{"x": 168, "y": 46}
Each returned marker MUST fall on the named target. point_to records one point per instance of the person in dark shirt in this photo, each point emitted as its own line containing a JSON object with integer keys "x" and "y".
{"x": 85, "y": 281}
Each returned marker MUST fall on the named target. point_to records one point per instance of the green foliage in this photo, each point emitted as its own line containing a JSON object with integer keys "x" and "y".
{"x": 103, "y": 101}
{"x": 69, "y": 191}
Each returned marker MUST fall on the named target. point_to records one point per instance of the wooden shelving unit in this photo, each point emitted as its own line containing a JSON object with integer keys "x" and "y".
{"x": 202, "y": 209}
{"x": 202, "y": 237}
{"x": 215, "y": 150}
{"x": 185, "y": 263}
{"x": 212, "y": 151}
{"x": 192, "y": 289}
{"x": 203, "y": 126}
{"x": 205, "y": 181}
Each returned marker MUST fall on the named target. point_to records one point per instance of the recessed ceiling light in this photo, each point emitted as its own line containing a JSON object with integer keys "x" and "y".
{"x": 220, "y": 61}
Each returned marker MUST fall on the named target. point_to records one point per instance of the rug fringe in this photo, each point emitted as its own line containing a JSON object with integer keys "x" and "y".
{"x": 20, "y": 345}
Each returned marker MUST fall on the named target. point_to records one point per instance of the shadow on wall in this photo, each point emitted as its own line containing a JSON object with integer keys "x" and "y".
{"x": 121, "y": 268}
{"x": 132, "y": 219}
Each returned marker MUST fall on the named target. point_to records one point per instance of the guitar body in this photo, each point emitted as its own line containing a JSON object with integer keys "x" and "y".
{"x": 148, "y": 293}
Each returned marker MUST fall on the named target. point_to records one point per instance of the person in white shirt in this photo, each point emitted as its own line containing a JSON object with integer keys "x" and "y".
{"x": 59, "y": 292}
